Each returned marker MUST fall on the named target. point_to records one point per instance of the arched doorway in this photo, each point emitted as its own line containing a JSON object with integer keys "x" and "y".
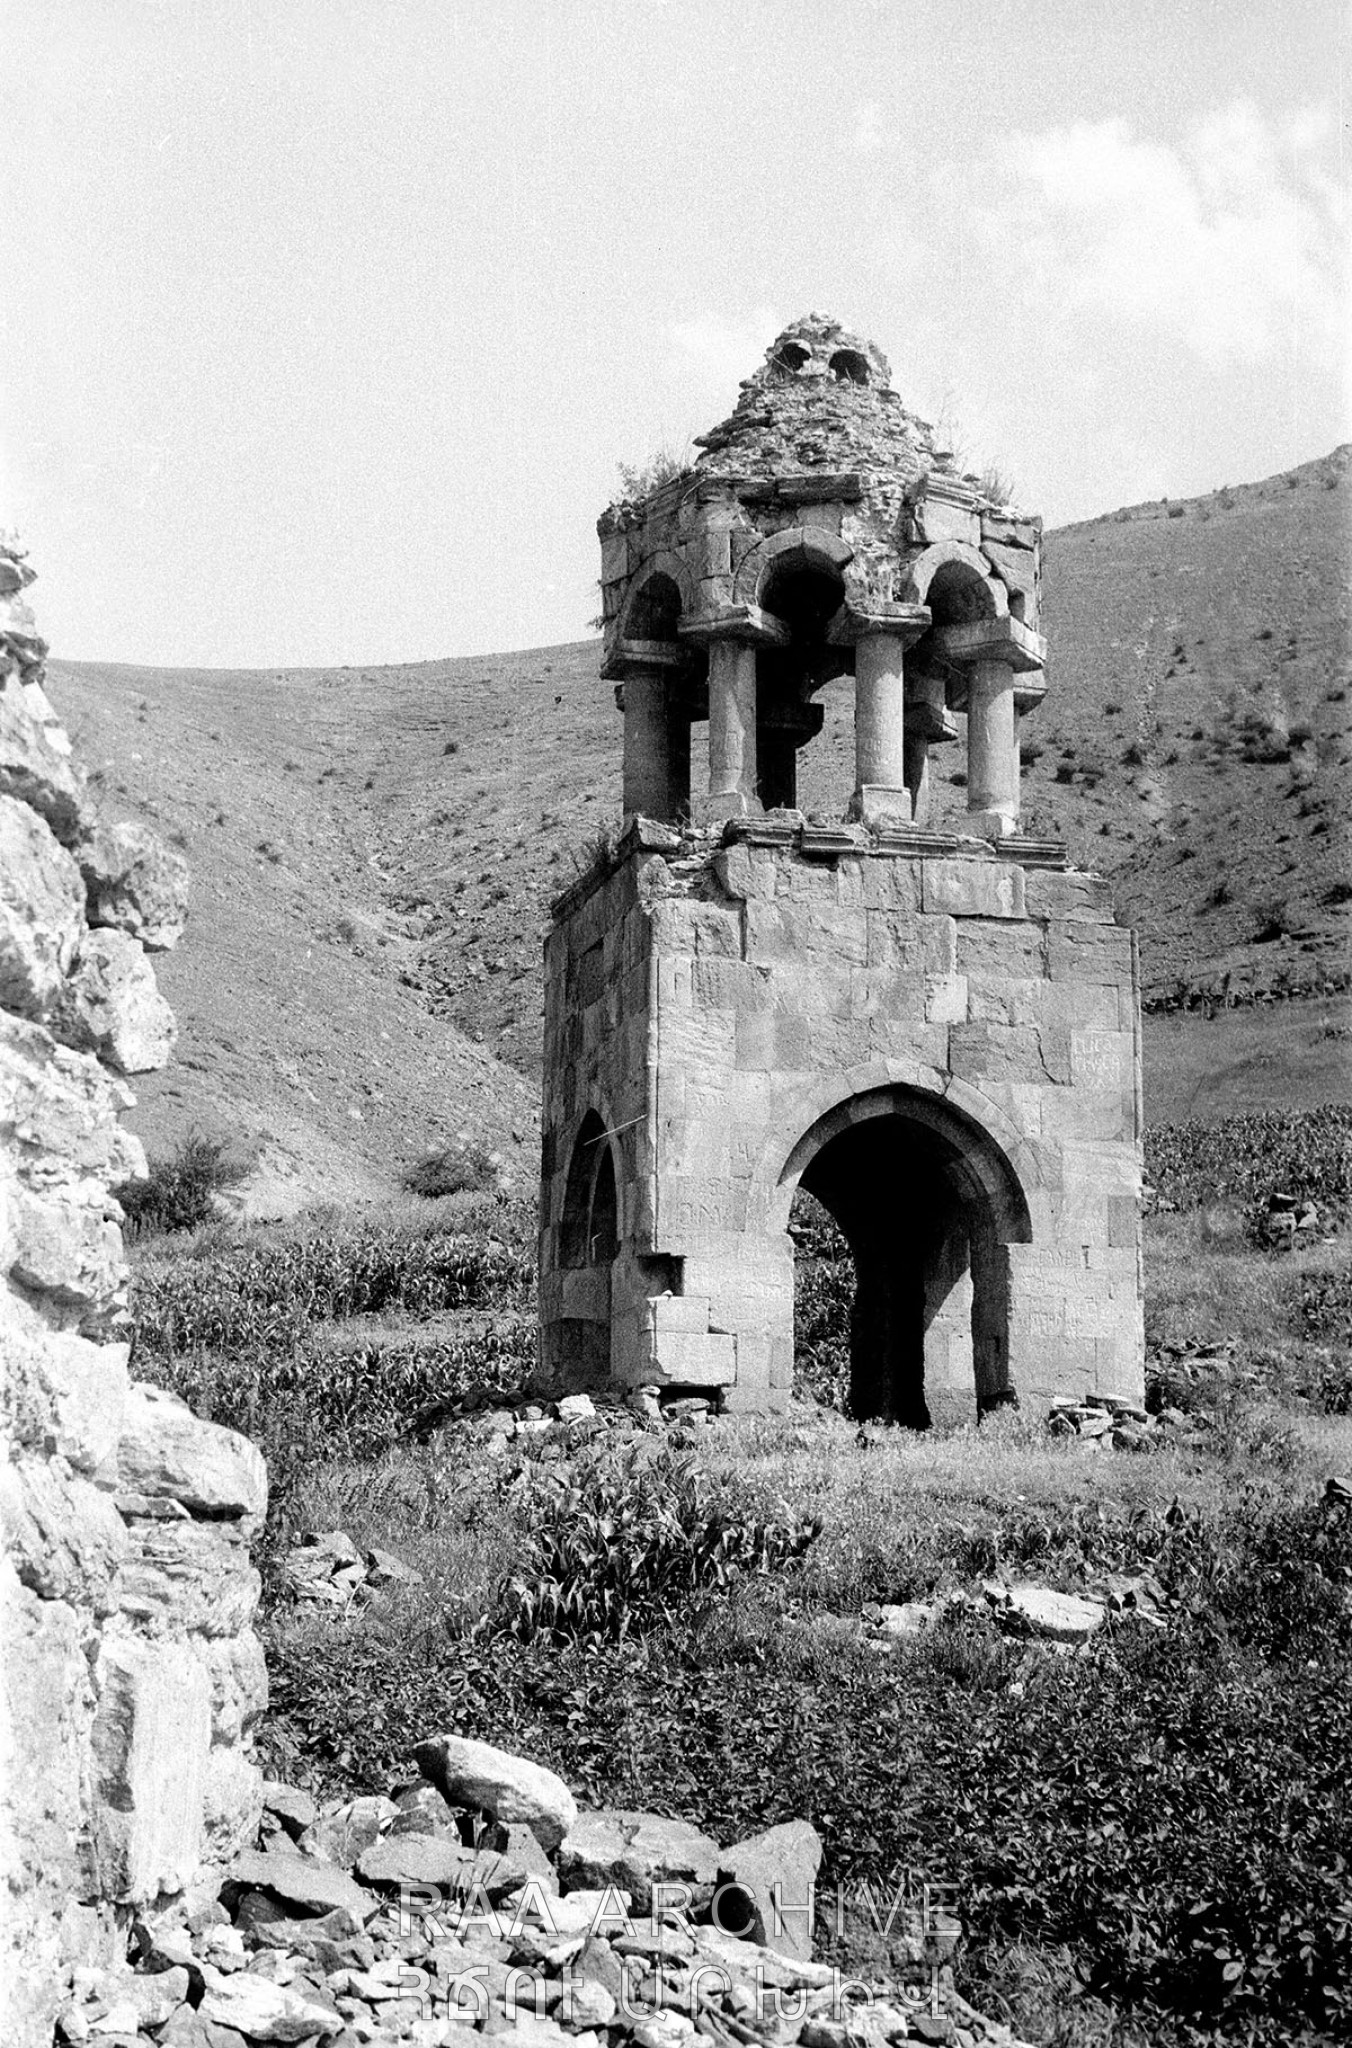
{"x": 589, "y": 1238}
{"x": 928, "y": 1203}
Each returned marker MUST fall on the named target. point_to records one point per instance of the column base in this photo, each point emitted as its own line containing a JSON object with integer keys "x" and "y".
{"x": 729, "y": 803}
{"x": 990, "y": 824}
{"x": 875, "y": 803}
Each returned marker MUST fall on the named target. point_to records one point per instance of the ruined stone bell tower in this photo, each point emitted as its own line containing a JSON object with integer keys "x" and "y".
{"x": 934, "y": 1031}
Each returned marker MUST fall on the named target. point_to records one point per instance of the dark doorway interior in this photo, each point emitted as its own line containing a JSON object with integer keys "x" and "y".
{"x": 925, "y": 1254}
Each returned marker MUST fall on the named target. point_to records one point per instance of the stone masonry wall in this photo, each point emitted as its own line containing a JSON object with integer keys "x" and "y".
{"x": 131, "y": 1675}
{"x": 780, "y": 987}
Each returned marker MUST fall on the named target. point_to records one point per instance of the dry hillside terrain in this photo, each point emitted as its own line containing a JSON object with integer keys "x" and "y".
{"x": 374, "y": 849}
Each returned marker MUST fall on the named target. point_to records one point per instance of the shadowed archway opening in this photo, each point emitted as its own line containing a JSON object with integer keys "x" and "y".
{"x": 803, "y": 595}
{"x": 927, "y": 1204}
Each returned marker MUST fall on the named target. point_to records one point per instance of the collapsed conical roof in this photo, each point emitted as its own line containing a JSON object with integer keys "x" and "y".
{"x": 822, "y": 400}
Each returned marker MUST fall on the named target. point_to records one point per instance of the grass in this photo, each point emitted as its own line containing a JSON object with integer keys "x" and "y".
{"x": 1150, "y": 1838}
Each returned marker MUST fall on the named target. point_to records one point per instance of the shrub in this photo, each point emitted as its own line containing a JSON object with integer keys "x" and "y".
{"x": 179, "y": 1193}
{"x": 464, "y": 1167}
{"x": 625, "y": 1538}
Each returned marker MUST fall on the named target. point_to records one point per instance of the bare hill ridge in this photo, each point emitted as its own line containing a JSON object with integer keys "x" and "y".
{"x": 374, "y": 849}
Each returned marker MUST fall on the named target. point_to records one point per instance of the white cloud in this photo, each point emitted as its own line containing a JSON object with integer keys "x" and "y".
{"x": 1231, "y": 244}
{"x": 724, "y": 351}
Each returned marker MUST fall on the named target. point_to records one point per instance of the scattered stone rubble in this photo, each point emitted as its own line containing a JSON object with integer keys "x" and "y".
{"x": 480, "y": 1899}
{"x": 132, "y": 1675}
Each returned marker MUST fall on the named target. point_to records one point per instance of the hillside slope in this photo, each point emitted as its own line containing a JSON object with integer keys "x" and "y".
{"x": 374, "y": 850}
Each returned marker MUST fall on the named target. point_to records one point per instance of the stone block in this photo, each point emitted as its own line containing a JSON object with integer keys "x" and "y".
{"x": 41, "y": 912}
{"x": 150, "y": 1741}
{"x": 746, "y": 872}
{"x": 677, "y": 1314}
{"x": 1001, "y": 1000}
{"x": 973, "y": 888}
{"x": 1068, "y": 896}
{"x": 937, "y": 520}
{"x": 1124, "y": 1220}
{"x": 887, "y": 882}
{"x": 994, "y": 1052}
{"x": 946, "y": 999}
{"x": 1080, "y": 951}
{"x": 990, "y": 951}
{"x": 168, "y": 1452}
{"x": 684, "y": 1358}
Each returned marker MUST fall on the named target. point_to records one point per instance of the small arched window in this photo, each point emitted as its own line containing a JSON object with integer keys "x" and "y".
{"x": 790, "y": 357}
{"x": 848, "y": 366}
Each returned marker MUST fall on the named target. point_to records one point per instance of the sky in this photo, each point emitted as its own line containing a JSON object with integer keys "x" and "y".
{"x": 326, "y": 323}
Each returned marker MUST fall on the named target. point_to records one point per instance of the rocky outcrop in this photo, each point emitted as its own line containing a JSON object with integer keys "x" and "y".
{"x": 132, "y": 1678}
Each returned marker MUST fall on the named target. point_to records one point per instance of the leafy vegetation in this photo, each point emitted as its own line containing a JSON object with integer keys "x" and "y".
{"x": 1246, "y": 1159}
{"x": 1159, "y": 1823}
{"x": 179, "y": 1192}
{"x": 624, "y": 1539}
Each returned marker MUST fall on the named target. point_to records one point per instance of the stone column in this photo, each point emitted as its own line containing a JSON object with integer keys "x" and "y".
{"x": 994, "y": 654}
{"x": 880, "y": 724}
{"x": 992, "y": 745}
{"x": 880, "y": 637}
{"x": 732, "y": 729}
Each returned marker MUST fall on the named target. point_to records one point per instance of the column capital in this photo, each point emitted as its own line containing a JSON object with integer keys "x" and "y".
{"x": 1006, "y": 640}
{"x": 745, "y": 622}
{"x": 856, "y": 622}
{"x": 644, "y": 658}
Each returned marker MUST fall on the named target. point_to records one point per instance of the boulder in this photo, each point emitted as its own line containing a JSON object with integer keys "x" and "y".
{"x": 168, "y": 1452}
{"x": 512, "y": 1789}
{"x": 41, "y": 913}
{"x": 765, "y": 1888}
{"x": 268, "y": 2012}
{"x": 300, "y": 1881}
{"x": 615, "y": 1845}
{"x": 112, "y": 1007}
{"x": 1037, "y": 1610}
{"x": 398, "y": 1860}
{"x": 134, "y": 883}
{"x": 294, "y": 1808}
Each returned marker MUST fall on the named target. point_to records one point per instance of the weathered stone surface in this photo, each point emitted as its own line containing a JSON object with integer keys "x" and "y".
{"x": 973, "y": 888}
{"x": 41, "y": 912}
{"x": 132, "y": 1681}
{"x": 301, "y": 1881}
{"x": 511, "y": 1788}
{"x": 135, "y": 884}
{"x": 150, "y": 1741}
{"x": 167, "y": 1450}
{"x": 268, "y": 2012}
{"x": 293, "y": 1806}
{"x": 619, "y": 1846}
{"x": 1037, "y": 1610}
{"x": 35, "y": 763}
{"x": 766, "y": 1883}
{"x": 114, "y": 1008}
{"x": 431, "y": 1859}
